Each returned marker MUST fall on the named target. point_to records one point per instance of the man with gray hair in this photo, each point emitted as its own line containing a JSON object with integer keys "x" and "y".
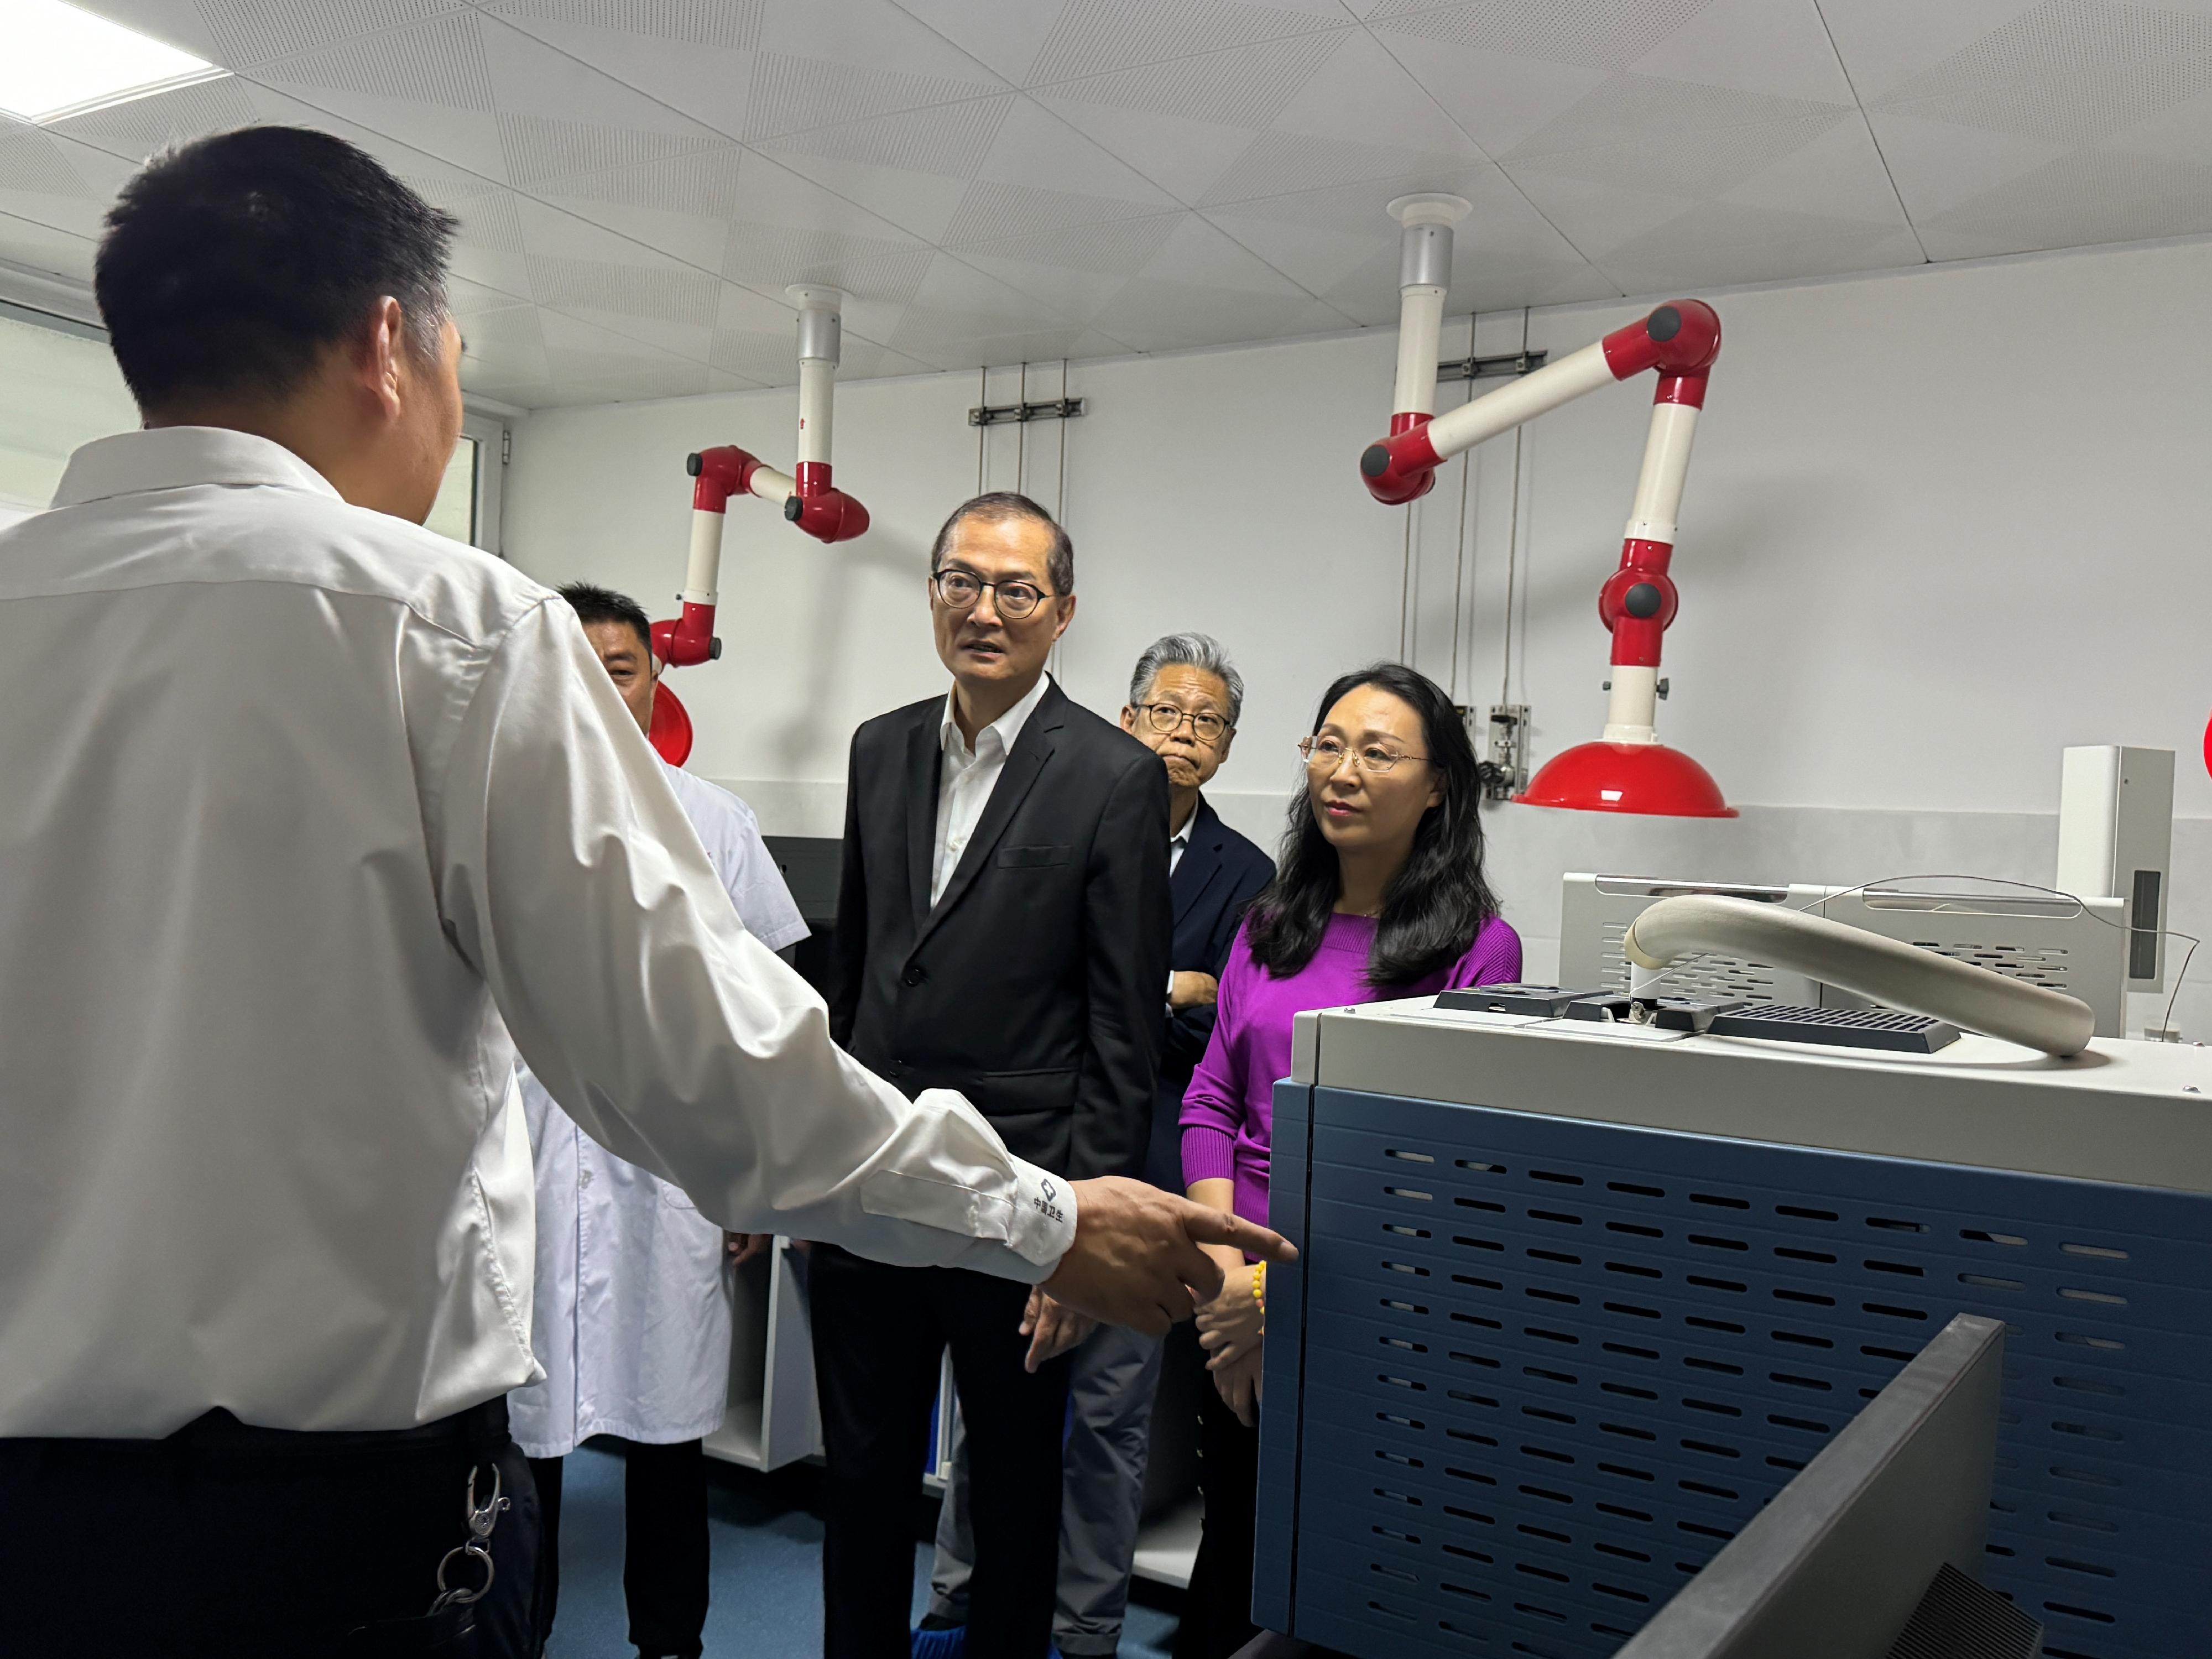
{"x": 1184, "y": 700}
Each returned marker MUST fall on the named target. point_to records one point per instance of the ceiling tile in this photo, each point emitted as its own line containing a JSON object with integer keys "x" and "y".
{"x": 1169, "y": 316}
{"x": 1035, "y": 147}
{"x": 1720, "y": 242}
{"x": 1096, "y": 37}
{"x": 439, "y": 63}
{"x": 1597, "y": 33}
{"x": 1363, "y": 94}
{"x": 682, "y": 206}
{"x": 1777, "y": 46}
{"x": 33, "y": 164}
{"x": 1598, "y": 217}
{"x": 2088, "y": 197}
{"x": 873, "y": 34}
{"x": 1672, "y": 136}
{"x": 2183, "y": 133}
{"x": 733, "y": 25}
{"x": 868, "y": 268}
{"x": 1181, "y": 155}
{"x": 1005, "y": 35}
{"x": 1200, "y": 254}
{"x": 1884, "y": 42}
{"x": 2069, "y": 72}
{"x": 1115, "y": 248}
{"x": 992, "y": 211}
{"x": 1840, "y": 175}
{"x": 137, "y": 129}
{"x": 945, "y": 141}
{"x": 1280, "y": 163}
{"x": 1069, "y": 291}
{"x": 1494, "y": 97}
{"x": 250, "y": 32}
{"x": 1937, "y": 167}
{"x": 1247, "y": 86}
{"x": 695, "y": 55}
{"x": 791, "y": 93}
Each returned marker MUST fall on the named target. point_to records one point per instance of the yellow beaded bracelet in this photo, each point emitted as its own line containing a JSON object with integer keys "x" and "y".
{"x": 1260, "y": 1285}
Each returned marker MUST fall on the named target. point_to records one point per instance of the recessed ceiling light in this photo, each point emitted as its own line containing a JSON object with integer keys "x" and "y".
{"x": 62, "y": 60}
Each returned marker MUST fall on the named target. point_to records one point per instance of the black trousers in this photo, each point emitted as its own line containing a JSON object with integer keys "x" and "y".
{"x": 878, "y": 1334}
{"x": 1216, "y": 1609}
{"x": 250, "y": 1543}
{"x": 664, "y": 1545}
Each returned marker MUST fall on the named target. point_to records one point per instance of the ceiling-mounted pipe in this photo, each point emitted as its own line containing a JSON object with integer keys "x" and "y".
{"x": 1425, "y": 260}
{"x": 814, "y": 504}
{"x": 1887, "y": 971}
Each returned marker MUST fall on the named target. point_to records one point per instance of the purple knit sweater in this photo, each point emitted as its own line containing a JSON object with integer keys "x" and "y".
{"x": 1229, "y": 1110}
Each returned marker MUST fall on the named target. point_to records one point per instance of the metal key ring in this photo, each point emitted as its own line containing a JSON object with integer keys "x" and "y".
{"x": 463, "y": 1597}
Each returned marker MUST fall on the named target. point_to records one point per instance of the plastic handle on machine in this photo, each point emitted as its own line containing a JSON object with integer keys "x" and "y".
{"x": 1887, "y": 971}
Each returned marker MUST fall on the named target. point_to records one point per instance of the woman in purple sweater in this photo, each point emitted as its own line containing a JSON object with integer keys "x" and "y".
{"x": 1380, "y": 894}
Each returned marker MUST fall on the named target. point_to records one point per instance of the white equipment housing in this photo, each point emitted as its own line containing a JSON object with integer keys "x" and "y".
{"x": 2116, "y": 842}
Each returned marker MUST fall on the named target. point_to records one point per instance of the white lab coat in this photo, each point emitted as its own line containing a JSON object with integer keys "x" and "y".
{"x": 631, "y": 1316}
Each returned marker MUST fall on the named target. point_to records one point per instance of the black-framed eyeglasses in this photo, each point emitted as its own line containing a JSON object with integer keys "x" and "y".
{"x": 1166, "y": 719}
{"x": 959, "y": 590}
{"x": 1327, "y": 754}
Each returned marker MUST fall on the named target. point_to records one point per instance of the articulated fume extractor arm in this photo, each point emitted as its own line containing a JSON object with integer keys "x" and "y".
{"x": 1680, "y": 340}
{"x": 808, "y": 498}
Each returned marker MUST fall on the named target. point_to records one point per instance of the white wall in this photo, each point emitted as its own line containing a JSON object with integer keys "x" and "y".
{"x": 1939, "y": 524}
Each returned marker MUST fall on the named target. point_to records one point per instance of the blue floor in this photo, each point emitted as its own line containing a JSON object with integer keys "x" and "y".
{"x": 767, "y": 1596}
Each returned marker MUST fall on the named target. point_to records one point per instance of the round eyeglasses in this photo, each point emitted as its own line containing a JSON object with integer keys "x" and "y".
{"x": 959, "y": 590}
{"x": 1326, "y": 754}
{"x": 1166, "y": 719}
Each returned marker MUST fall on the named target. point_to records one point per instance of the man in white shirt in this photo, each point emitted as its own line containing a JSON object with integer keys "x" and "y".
{"x": 306, "y": 811}
{"x": 634, "y": 1301}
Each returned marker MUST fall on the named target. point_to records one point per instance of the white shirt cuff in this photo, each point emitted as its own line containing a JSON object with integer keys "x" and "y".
{"x": 1044, "y": 1217}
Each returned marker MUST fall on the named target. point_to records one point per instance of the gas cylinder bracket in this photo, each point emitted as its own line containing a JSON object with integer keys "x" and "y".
{"x": 1488, "y": 369}
{"x": 1054, "y": 409}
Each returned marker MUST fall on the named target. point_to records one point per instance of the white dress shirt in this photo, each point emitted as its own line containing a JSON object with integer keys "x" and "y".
{"x": 306, "y": 809}
{"x": 967, "y": 777}
{"x": 634, "y": 1300}
{"x": 1179, "y": 842}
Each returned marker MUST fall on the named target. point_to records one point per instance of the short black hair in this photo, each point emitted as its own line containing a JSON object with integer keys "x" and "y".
{"x": 603, "y": 604}
{"x": 231, "y": 263}
{"x": 998, "y": 507}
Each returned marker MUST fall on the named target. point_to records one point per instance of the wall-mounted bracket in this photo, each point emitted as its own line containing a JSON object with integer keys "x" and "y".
{"x": 1489, "y": 368}
{"x": 1052, "y": 408}
{"x": 1506, "y": 773}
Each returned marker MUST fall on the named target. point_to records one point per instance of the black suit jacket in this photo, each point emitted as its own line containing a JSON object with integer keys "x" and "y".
{"x": 1221, "y": 873}
{"x": 1035, "y": 985}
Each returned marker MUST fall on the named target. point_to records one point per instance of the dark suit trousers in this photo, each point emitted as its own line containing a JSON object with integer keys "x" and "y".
{"x": 664, "y": 1548}
{"x": 1216, "y": 1609}
{"x": 879, "y": 1333}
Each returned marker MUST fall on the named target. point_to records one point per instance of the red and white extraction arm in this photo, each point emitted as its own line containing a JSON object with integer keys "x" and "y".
{"x": 809, "y": 500}
{"x": 1680, "y": 340}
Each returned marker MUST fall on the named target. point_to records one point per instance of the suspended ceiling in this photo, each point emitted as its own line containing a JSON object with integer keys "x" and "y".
{"x": 1000, "y": 180}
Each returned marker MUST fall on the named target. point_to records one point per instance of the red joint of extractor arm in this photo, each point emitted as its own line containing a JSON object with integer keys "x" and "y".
{"x": 1637, "y": 602}
{"x": 1406, "y": 420}
{"x": 722, "y": 472}
{"x": 689, "y": 639}
{"x": 829, "y": 515}
{"x": 1401, "y": 467}
{"x": 1679, "y": 339}
{"x": 812, "y": 478}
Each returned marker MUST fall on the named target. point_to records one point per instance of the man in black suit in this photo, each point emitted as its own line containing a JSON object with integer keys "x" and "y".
{"x": 1184, "y": 700}
{"x": 1003, "y": 926}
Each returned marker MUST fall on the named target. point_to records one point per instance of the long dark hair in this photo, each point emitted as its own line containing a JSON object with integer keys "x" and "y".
{"x": 1439, "y": 901}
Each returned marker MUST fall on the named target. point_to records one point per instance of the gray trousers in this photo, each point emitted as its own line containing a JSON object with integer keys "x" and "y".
{"x": 1116, "y": 1373}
